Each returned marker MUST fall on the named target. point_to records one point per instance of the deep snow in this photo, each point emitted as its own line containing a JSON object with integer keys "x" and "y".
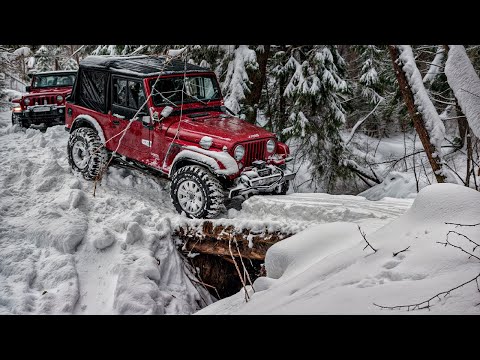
{"x": 62, "y": 250}
{"x": 326, "y": 270}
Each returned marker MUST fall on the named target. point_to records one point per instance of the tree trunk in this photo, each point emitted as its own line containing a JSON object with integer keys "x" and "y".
{"x": 416, "y": 116}
{"x": 469, "y": 156}
{"x": 281, "y": 104}
{"x": 258, "y": 80}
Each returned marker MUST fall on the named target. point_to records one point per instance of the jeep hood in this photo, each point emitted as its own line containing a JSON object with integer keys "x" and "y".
{"x": 224, "y": 131}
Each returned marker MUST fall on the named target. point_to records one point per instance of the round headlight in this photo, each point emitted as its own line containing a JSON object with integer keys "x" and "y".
{"x": 239, "y": 152}
{"x": 270, "y": 146}
{"x": 59, "y": 98}
{"x": 26, "y": 101}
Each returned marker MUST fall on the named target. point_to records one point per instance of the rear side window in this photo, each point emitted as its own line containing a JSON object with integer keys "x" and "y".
{"x": 93, "y": 90}
{"x": 128, "y": 93}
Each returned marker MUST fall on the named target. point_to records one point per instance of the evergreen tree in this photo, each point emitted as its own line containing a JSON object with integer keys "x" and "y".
{"x": 317, "y": 89}
{"x": 45, "y": 58}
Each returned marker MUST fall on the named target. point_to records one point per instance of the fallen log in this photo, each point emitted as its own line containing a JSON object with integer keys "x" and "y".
{"x": 214, "y": 239}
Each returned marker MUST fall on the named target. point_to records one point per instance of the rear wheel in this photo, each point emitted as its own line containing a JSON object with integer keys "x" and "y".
{"x": 86, "y": 153}
{"x": 196, "y": 192}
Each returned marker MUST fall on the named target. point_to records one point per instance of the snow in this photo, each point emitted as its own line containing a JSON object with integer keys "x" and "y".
{"x": 465, "y": 83}
{"x": 236, "y": 82}
{"x": 64, "y": 251}
{"x": 395, "y": 185}
{"x": 94, "y": 123}
{"x": 326, "y": 270}
{"x": 210, "y": 158}
{"x": 22, "y": 51}
{"x": 435, "y": 67}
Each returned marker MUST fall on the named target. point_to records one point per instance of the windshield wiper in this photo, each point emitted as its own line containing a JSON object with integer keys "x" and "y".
{"x": 213, "y": 97}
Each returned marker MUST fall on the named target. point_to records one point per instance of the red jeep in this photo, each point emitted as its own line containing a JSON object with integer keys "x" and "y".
{"x": 167, "y": 116}
{"x": 45, "y": 101}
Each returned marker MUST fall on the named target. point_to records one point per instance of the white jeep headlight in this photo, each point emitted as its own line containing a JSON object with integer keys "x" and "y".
{"x": 239, "y": 152}
{"x": 26, "y": 101}
{"x": 59, "y": 98}
{"x": 270, "y": 146}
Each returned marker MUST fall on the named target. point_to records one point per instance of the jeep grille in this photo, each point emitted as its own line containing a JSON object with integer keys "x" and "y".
{"x": 42, "y": 100}
{"x": 254, "y": 150}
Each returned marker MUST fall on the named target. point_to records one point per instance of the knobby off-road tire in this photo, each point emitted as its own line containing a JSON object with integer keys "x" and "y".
{"x": 16, "y": 120}
{"x": 196, "y": 192}
{"x": 86, "y": 153}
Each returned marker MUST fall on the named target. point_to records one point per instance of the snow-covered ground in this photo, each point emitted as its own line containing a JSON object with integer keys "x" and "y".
{"x": 326, "y": 269}
{"x": 62, "y": 250}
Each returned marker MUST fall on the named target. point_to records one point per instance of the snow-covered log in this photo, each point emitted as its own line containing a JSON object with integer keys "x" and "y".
{"x": 465, "y": 83}
{"x": 207, "y": 238}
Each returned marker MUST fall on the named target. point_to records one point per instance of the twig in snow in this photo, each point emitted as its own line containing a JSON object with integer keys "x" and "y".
{"x": 426, "y": 303}
{"x": 459, "y": 247}
{"x": 238, "y": 270}
{"x": 466, "y": 237}
{"x": 365, "y": 238}
{"x": 449, "y": 223}
{"x": 244, "y": 267}
{"x": 396, "y": 253}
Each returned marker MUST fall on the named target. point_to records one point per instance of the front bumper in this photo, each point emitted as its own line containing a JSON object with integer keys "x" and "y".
{"x": 253, "y": 182}
{"x": 46, "y": 114}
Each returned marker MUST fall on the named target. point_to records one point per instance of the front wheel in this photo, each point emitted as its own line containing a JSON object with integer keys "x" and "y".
{"x": 196, "y": 192}
{"x": 86, "y": 153}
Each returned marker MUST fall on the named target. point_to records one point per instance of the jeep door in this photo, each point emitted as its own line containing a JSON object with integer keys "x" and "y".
{"x": 128, "y": 96}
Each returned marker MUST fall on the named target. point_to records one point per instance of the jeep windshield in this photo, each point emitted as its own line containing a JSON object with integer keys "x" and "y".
{"x": 197, "y": 88}
{"x": 53, "y": 80}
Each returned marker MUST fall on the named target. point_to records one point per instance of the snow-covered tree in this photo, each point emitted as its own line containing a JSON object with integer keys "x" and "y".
{"x": 316, "y": 90}
{"x": 45, "y": 58}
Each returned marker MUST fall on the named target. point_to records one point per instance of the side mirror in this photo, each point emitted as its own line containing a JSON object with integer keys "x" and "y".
{"x": 167, "y": 110}
{"x": 28, "y": 88}
{"x": 68, "y": 97}
{"x": 145, "y": 120}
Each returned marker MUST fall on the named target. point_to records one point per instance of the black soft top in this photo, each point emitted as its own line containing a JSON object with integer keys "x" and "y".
{"x": 140, "y": 66}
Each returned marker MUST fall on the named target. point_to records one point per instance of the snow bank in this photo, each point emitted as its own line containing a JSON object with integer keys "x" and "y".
{"x": 326, "y": 270}
{"x": 465, "y": 83}
{"x": 62, "y": 250}
{"x": 395, "y": 185}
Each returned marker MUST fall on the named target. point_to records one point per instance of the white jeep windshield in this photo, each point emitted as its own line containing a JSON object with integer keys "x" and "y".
{"x": 197, "y": 89}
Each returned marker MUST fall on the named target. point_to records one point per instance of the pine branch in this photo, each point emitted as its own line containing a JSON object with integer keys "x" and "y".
{"x": 365, "y": 238}
{"x": 396, "y": 253}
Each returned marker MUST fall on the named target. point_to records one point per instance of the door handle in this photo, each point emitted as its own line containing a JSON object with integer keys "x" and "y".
{"x": 116, "y": 122}
{"x": 119, "y": 116}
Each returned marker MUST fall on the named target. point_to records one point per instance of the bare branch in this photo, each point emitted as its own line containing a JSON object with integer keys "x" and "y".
{"x": 459, "y": 247}
{"x": 396, "y": 253}
{"x": 449, "y": 223}
{"x": 466, "y": 237}
{"x": 426, "y": 303}
{"x": 365, "y": 238}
